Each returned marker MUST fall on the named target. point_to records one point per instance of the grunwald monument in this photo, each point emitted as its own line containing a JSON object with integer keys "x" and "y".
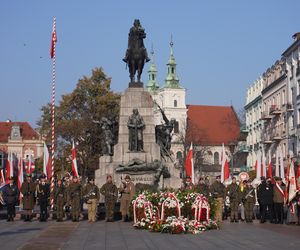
{"x": 142, "y": 148}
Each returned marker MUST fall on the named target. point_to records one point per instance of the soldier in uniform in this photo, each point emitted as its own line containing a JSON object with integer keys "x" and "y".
{"x": 127, "y": 190}
{"x": 74, "y": 197}
{"x": 248, "y": 199}
{"x": 188, "y": 184}
{"x": 10, "y": 196}
{"x": 218, "y": 192}
{"x": 60, "y": 197}
{"x": 202, "y": 188}
{"x": 43, "y": 195}
{"x": 28, "y": 191}
{"x": 110, "y": 192}
{"x": 233, "y": 193}
{"x": 91, "y": 197}
{"x": 278, "y": 199}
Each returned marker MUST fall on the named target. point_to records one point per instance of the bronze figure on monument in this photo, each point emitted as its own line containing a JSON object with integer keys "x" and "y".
{"x": 136, "y": 126}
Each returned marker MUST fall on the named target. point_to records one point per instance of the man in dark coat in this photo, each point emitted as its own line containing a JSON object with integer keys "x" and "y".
{"x": 28, "y": 191}
{"x": 265, "y": 197}
{"x": 74, "y": 198}
{"x": 43, "y": 194}
{"x": 10, "y": 196}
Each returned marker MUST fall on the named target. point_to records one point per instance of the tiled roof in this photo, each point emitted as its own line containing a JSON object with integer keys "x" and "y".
{"x": 212, "y": 125}
{"x": 27, "y": 132}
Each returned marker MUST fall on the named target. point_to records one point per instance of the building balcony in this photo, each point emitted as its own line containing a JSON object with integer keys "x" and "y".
{"x": 275, "y": 110}
{"x": 289, "y": 107}
{"x": 267, "y": 140}
{"x": 277, "y": 137}
{"x": 266, "y": 116}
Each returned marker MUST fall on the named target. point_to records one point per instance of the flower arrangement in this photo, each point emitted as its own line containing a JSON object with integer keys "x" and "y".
{"x": 162, "y": 212}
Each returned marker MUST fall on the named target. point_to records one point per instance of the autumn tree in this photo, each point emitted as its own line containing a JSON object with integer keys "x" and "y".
{"x": 76, "y": 119}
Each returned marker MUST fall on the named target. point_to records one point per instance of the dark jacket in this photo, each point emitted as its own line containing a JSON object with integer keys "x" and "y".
{"x": 265, "y": 193}
{"x": 10, "y": 194}
{"x": 43, "y": 191}
{"x": 218, "y": 189}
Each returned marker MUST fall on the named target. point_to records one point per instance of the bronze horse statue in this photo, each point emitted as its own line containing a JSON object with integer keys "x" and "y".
{"x": 136, "y": 54}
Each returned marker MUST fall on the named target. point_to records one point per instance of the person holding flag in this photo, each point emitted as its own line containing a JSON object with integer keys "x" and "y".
{"x": 10, "y": 196}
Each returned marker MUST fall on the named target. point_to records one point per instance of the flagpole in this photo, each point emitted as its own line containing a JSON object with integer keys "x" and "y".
{"x": 53, "y": 109}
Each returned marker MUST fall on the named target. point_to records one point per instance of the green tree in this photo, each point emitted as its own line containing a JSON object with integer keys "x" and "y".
{"x": 75, "y": 119}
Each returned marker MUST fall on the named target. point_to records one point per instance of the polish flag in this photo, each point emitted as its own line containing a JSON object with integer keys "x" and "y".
{"x": 189, "y": 164}
{"x": 9, "y": 167}
{"x": 270, "y": 174}
{"x": 277, "y": 164}
{"x": 225, "y": 173}
{"x": 281, "y": 165}
{"x": 258, "y": 168}
{"x": 53, "y": 39}
{"x": 29, "y": 167}
{"x": 20, "y": 173}
{"x": 263, "y": 165}
{"x": 74, "y": 161}
{"x": 46, "y": 164}
{"x": 298, "y": 178}
{"x": 292, "y": 183}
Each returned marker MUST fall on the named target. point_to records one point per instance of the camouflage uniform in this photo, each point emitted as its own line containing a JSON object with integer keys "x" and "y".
{"x": 249, "y": 201}
{"x": 60, "y": 197}
{"x": 202, "y": 188}
{"x": 74, "y": 197}
{"x": 110, "y": 192}
{"x": 233, "y": 192}
{"x": 218, "y": 192}
{"x": 91, "y": 193}
{"x": 128, "y": 191}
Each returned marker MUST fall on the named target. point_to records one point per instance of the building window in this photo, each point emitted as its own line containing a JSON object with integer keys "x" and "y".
{"x": 179, "y": 157}
{"x": 175, "y": 103}
{"x": 1, "y": 160}
{"x": 172, "y": 69}
{"x": 153, "y": 77}
{"x": 216, "y": 158}
{"x": 176, "y": 127}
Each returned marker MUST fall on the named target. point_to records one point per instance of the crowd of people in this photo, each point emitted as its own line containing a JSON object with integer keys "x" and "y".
{"x": 240, "y": 200}
{"x": 248, "y": 200}
{"x": 67, "y": 198}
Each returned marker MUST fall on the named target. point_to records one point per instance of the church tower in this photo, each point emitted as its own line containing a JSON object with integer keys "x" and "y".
{"x": 171, "y": 98}
{"x": 152, "y": 85}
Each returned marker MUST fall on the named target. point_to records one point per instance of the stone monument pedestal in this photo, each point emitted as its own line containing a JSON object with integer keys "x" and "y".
{"x": 136, "y": 98}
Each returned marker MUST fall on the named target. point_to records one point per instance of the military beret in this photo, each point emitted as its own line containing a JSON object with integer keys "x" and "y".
{"x": 43, "y": 176}
{"x": 127, "y": 177}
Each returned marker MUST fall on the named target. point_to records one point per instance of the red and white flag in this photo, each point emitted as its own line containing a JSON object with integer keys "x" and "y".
{"x": 225, "y": 173}
{"x": 2, "y": 179}
{"x": 298, "y": 178}
{"x": 74, "y": 161}
{"x": 292, "y": 183}
{"x": 29, "y": 167}
{"x": 277, "y": 164}
{"x": 270, "y": 170}
{"x": 263, "y": 165}
{"x": 189, "y": 164}
{"x": 9, "y": 167}
{"x": 20, "y": 173}
{"x": 281, "y": 172}
{"x": 258, "y": 167}
{"x": 46, "y": 163}
{"x": 53, "y": 39}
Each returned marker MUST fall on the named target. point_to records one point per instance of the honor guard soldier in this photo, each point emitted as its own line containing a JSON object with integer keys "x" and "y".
{"x": 60, "y": 197}
{"x": 233, "y": 193}
{"x": 91, "y": 197}
{"x": 28, "y": 191}
{"x": 110, "y": 192}
{"x": 10, "y": 195}
{"x": 43, "y": 195}
{"x": 74, "y": 196}
{"x": 127, "y": 190}
{"x": 202, "y": 188}
{"x": 218, "y": 192}
{"x": 188, "y": 184}
{"x": 248, "y": 200}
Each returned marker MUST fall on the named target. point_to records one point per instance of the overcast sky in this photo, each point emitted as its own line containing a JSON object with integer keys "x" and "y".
{"x": 220, "y": 47}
